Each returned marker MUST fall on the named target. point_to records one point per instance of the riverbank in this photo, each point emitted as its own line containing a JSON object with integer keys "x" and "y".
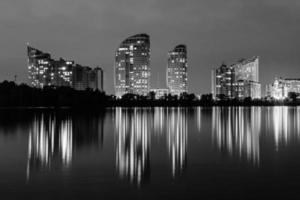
{"x": 13, "y": 96}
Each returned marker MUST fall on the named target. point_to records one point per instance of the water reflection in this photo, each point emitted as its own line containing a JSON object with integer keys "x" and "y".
{"x": 48, "y": 140}
{"x": 199, "y": 110}
{"x": 54, "y": 137}
{"x": 284, "y": 123}
{"x": 135, "y": 128}
{"x": 159, "y": 121}
{"x": 237, "y": 131}
{"x": 133, "y": 144}
{"x": 144, "y": 143}
{"x": 177, "y": 139}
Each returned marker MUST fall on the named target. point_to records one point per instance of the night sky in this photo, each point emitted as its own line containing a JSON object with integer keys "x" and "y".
{"x": 89, "y": 32}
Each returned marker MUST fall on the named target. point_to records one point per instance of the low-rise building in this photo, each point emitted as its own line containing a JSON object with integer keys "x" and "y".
{"x": 247, "y": 89}
{"x": 281, "y": 88}
{"x": 160, "y": 92}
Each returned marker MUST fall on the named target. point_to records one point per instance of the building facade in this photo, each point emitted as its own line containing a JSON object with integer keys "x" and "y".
{"x": 132, "y": 66}
{"x": 224, "y": 82}
{"x": 99, "y": 81}
{"x": 245, "y": 88}
{"x": 177, "y": 70}
{"x": 45, "y": 71}
{"x": 40, "y": 68}
{"x": 63, "y": 73}
{"x": 81, "y": 77}
{"x": 247, "y": 69}
{"x": 281, "y": 88}
{"x": 95, "y": 78}
{"x": 239, "y": 80}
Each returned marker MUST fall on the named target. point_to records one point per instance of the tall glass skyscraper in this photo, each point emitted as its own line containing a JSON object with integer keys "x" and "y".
{"x": 132, "y": 66}
{"x": 177, "y": 70}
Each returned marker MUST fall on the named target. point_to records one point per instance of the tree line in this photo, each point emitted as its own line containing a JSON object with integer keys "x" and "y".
{"x": 13, "y": 95}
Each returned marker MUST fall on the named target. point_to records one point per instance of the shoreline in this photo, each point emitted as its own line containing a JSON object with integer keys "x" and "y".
{"x": 69, "y": 108}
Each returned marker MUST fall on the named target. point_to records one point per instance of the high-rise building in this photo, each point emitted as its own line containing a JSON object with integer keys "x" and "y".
{"x": 240, "y": 80}
{"x": 281, "y": 88}
{"x": 132, "y": 66}
{"x": 247, "y": 69}
{"x": 224, "y": 82}
{"x": 177, "y": 70}
{"x": 45, "y": 71}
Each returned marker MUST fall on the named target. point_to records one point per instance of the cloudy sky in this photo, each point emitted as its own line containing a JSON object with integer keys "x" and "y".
{"x": 215, "y": 31}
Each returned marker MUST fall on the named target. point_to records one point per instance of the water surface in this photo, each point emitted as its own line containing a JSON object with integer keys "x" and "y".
{"x": 151, "y": 153}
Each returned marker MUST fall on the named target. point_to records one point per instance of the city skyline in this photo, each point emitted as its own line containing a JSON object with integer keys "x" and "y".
{"x": 133, "y": 57}
{"x": 214, "y": 31}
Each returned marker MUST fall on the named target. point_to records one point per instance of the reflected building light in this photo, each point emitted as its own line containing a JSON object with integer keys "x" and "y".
{"x": 47, "y": 140}
{"x": 281, "y": 119}
{"x": 297, "y": 122}
{"x": 66, "y": 145}
{"x": 199, "y": 118}
{"x": 133, "y": 141}
{"x": 177, "y": 139}
{"x": 237, "y": 131}
{"x": 268, "y": 117}
{"x": 159, "y": 120}
{"x": 284, "y": 125}
{"x": 253, "y": 134}
{"x": 40, "y": 141}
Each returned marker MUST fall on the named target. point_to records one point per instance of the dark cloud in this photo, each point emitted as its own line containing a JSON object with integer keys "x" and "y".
{"x": 215, "y": 31}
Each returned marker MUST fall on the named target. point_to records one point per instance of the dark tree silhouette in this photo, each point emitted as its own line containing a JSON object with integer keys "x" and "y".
{"x": 12, "y": 95}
